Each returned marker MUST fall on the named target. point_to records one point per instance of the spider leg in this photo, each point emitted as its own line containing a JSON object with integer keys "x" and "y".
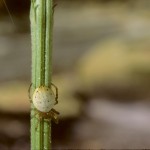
{"x": 34, "y": 116}
{"x": 54, "y": 7}
{"x": 56, "y": 97}
{"x": 29, "y": 93}
{"x": 55, "y": 119}
{"x": 47, "y": 120}
{"x": 36, "y": 112}
{"x": 40, "y": 119}
{"x": 54, "y": 115}
{"x": 54, "y": 111}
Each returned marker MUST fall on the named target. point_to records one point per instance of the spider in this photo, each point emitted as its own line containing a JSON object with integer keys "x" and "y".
{"x": 44, "y": 100}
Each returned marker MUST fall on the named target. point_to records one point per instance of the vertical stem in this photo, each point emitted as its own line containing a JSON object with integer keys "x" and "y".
{"x": 41, "y": 16}
{"x": 48, "y": 58}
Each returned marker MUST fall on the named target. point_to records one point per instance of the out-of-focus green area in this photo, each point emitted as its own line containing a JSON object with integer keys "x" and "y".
{"x": 101, "y": 52}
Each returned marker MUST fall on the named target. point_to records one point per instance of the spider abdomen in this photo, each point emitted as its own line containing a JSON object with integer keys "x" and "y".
{"x": 43, "y": 99}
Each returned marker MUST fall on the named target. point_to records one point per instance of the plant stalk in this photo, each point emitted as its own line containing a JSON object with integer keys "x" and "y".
{"x": 41, "y": 17}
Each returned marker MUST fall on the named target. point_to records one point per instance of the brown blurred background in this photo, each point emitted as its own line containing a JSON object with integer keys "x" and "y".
{"x": 101, "y": 65}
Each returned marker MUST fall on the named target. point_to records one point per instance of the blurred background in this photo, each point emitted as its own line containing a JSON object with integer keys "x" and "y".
{"x": 101, "y": 65}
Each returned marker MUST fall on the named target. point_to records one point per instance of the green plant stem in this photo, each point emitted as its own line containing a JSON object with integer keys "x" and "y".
{"x": 41, "y": 16}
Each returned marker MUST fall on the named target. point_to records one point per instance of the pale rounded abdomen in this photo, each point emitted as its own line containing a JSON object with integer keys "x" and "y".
{"x": 43, "y": 99}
